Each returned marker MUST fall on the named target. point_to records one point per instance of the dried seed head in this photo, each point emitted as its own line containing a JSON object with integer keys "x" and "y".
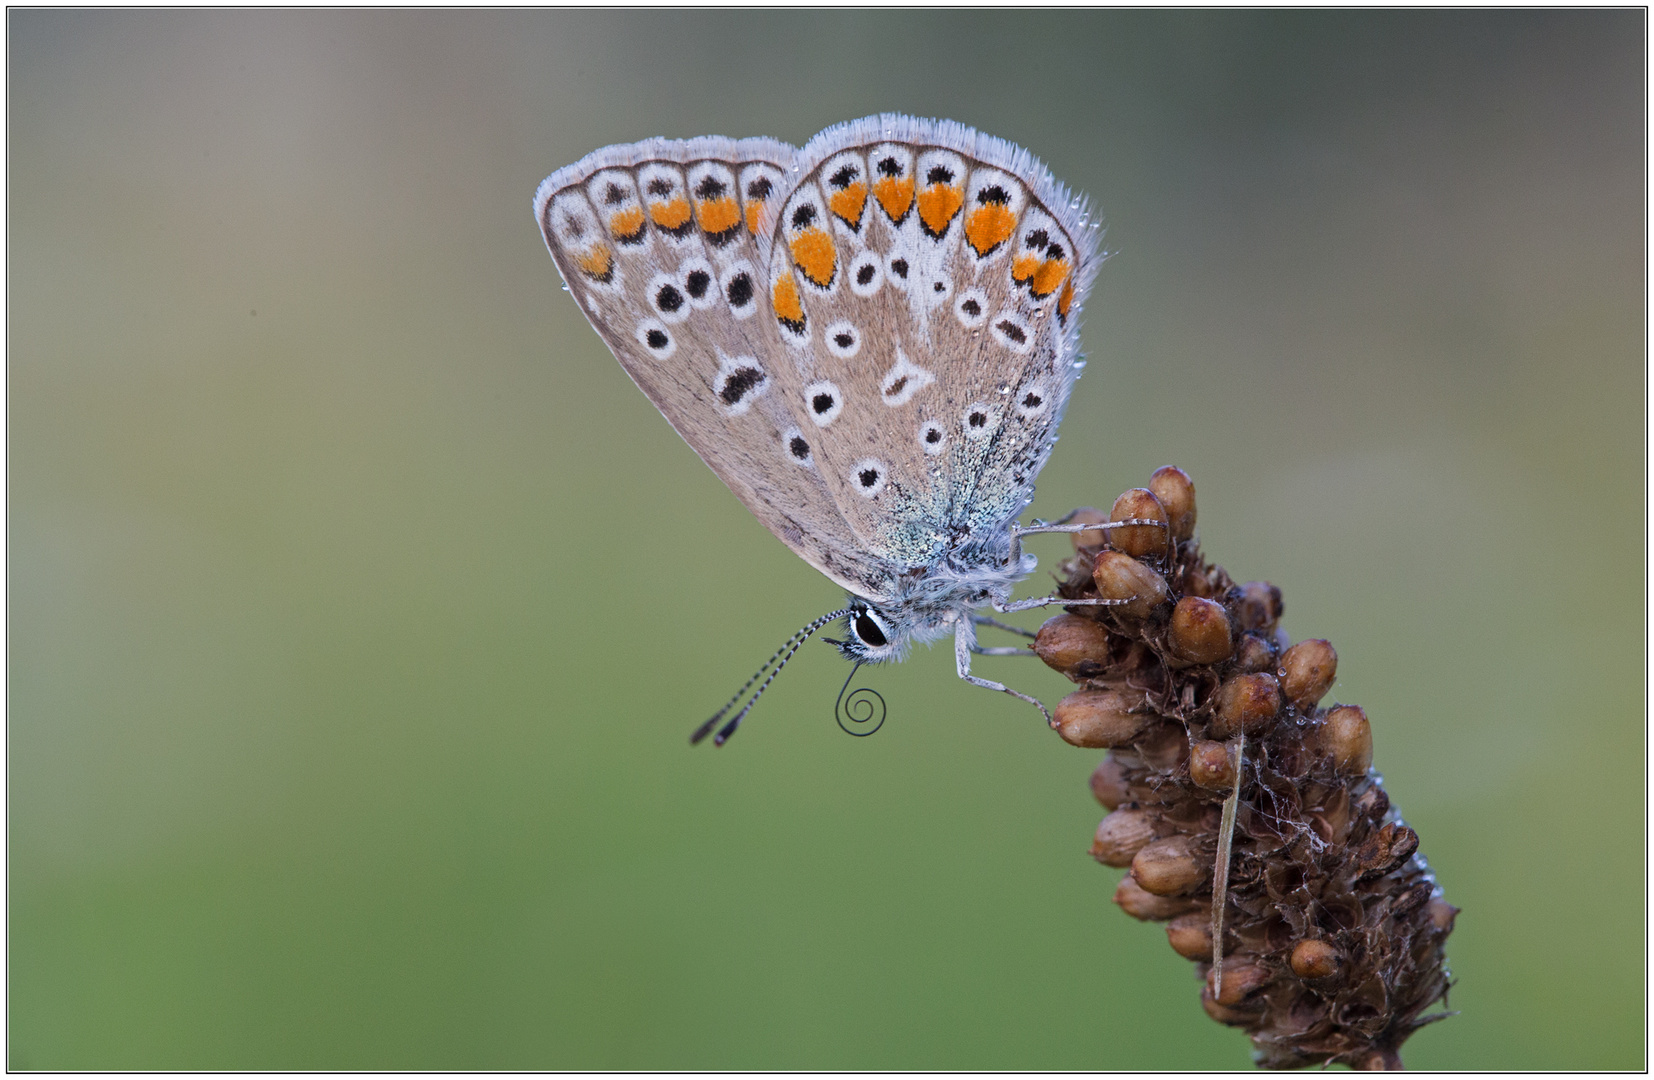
{"x": 1254, "y": 653}
{"x": 1241, "y": 978}
{"x": 1120, "y": 577}
{"x": 1098, "y": 718}
{"x": 1176, "y": 492}
{"x": 1211, "y": 766}
{"x": 1199, "y": 631}
{"x": 1121, "y": 836}
{"x": 1191, "y": 936}
{"x": 1308, "y": 670}
{"x": 1091, "y": 538}
{"x": 1140, "y": 904}
{"x": 1257, "y": 605}
{"x": 1168, "y": 867}
{"x": 1108, "y": 783}
{"x": 1245, "y": 705}
{"x": 1138, "y": 540}
{"x": 1073, "y": 645}
{"x": 1315, "y": 959}
{"x": 1348, "y": 737}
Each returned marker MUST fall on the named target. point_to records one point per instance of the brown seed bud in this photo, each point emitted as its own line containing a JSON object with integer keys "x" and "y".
{"x": 1240, "y": 979}
{"x": 1098, "y": 718}
{"x": 1139, "y": 904}
{"x": 1121, "y": 577}
{"x": 1211, "y": 766}
{"x": 1091, "y": 538}
{"x": 1315, "y": 959}
{"x": 1176, "y": 492}
{"x": 1168, "y": 867}
{"x": 1348, "y": 737}
{"x": 1246, "y": 704}
{"x": 1191, "y": 935}
{"x": 1121, "y": 836}
{"x": 1108, "y": 783}
{"x": 1441, "y": 914}
{"x": 1199, "y": 631}
{"x": 1163, "y": 746}
{"x": 1138, "y": 540}
{"x": 1257, "y": 605}
{"x": 1244, "y": 1016}
{"x": 1308, "y": 670}
{"x": 1073, "y": 645}
{"x": 1378, "y": 1059}
{"x": 1254, "y": 653}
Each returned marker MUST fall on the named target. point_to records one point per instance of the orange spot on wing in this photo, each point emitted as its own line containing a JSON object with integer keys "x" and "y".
{"x": 937, "y": 206}
{"x": 784, "y": 298}
{"x": 627, "y": 223}
{"x": 1023, "y": 267}
{"x": 814, "y": 254}
{"x": 1052, "y": 273}
{"x": 670, "y": 215}
{"x": 754, "y": 209}
{"x": 1066, "y": 300}
{"x": 719, "y": 215}
{"x": 848, "y": 204}
{"x": 596, "y": 261}
{"x": 894, "y": 195}
{"x": 988, "y": 226}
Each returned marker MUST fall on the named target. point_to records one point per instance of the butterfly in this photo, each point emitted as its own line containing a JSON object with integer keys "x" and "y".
{"x": 870, "y": 339}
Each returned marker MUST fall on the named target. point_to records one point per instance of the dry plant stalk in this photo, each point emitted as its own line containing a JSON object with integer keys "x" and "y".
{"x": 1333, "y": 927}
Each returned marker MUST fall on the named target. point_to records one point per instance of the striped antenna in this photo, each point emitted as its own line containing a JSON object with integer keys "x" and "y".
{"x": 773, "y": 666}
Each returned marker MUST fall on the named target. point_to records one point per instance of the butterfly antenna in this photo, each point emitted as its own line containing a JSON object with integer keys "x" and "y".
{"x": 773, "y": 666}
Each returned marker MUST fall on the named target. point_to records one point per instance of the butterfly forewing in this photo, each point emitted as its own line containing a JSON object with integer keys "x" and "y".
{"x": 657, "y": 242}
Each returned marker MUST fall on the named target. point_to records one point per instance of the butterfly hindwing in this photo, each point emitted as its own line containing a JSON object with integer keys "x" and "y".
{"x": 927, "y": 282}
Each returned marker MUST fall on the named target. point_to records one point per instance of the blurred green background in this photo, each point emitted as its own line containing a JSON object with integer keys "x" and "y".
{"x": 360, "y": 606}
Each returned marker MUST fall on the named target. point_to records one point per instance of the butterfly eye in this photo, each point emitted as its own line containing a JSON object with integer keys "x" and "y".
{"x": 870, "y": 628}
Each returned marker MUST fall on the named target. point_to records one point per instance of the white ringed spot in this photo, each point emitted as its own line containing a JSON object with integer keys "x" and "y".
{"x": 653, "y": 335}
{"x": 823, "y": 402}
{"x": 980, "y": 420}
{"x": 843, "y": 340}
{"x": 903, "y": 380}
{"x": 868, "y": 476}
{"x": 1012, "y": 331}
{"x": 797, "y": 448}
{"x": 866, "y": 274}
{"x": 971, "y": 308}
{"x": 740, "y": 381}
{"x": 668, "y": 299}
{"x": 933, "y": 438}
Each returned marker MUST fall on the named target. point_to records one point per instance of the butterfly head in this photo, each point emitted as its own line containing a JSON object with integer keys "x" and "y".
{"x": 871, "y": 636}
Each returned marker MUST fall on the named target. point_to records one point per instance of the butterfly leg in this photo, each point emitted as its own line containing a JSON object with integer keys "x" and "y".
{"x": 964, "y": 643}
{"x": 1047, "y": 601}
{"x": 1039, "y": 527}
{"x": 983, "y": 620}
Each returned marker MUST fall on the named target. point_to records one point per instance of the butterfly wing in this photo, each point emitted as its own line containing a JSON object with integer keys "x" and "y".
{"x": 658, "y": 243}
{"x": 927, "y": 281}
